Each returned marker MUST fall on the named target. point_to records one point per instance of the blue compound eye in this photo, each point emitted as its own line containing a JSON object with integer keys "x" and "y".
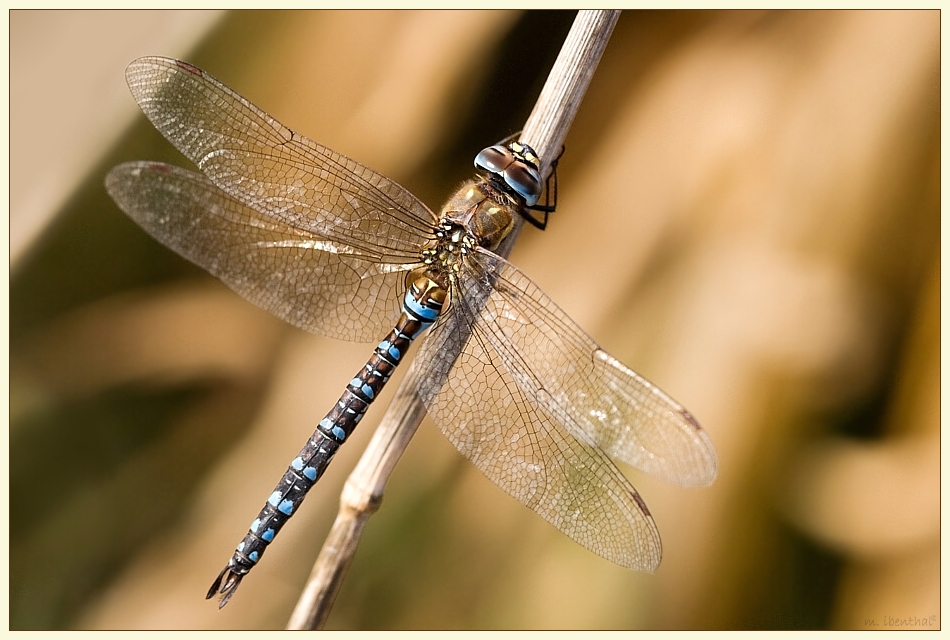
{"x": 525, "y": 180}
{"x": 494, "y": 159}
{"x": 516, "y": 165}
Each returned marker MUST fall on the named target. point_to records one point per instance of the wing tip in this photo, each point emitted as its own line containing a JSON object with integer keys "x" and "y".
{"x": 707, "y": 473}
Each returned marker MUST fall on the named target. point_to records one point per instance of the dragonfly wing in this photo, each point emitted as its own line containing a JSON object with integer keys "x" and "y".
{"x": 312, "y": 282}
{"x": 598, "y": 399}
{"x": 523, "y": 446}
{"x": 265, "y": 165}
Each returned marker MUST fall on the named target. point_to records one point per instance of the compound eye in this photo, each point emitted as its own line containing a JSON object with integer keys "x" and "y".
{"x": 525, "y": 180}
{"x": 494, "y": 159}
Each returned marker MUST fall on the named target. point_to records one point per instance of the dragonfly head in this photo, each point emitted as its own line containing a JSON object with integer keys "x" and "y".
{"x": 514, "y": 167}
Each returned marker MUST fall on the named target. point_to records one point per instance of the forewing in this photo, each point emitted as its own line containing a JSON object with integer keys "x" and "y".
{"x": 511, "y": 435}
{"x": 267, "y": 166}
{"x": 598, "y": 399}
{"x": 312, "y": 282}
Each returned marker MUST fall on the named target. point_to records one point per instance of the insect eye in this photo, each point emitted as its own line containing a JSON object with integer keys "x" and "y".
{"x": 494, "y": 159}
{"x": 515, "y": 164}
{"x": 525, "y": 180}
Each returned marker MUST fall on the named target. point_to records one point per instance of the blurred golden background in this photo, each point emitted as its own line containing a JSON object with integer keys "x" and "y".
{"x": 748, "y": 216}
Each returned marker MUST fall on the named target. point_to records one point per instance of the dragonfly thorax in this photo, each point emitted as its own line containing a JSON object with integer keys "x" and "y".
{"x": 482, "y": 211}
{"x": 444, "y": 258}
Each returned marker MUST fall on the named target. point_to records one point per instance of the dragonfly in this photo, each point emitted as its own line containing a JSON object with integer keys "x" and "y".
{"x": 335, "y": 248}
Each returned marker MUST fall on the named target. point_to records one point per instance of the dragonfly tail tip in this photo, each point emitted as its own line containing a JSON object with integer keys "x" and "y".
{"x": 226, "y": 584}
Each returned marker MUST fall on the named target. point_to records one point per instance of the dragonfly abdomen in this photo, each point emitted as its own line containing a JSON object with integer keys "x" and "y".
{"x": 422, "y": 305}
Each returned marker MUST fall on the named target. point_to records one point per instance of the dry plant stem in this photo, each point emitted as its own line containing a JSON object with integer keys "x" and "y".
{"x": 544, "y": 131}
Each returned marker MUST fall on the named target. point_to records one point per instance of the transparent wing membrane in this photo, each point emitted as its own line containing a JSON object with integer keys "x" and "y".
{"x": 600, "y": 400}
{"x": 319, "y": 285}
{"x": 268, "y": 167}
{"x": 509, "y": 432}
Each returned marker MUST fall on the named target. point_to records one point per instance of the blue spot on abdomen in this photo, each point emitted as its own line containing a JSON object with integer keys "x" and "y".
{"x": 419, "y": 310}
